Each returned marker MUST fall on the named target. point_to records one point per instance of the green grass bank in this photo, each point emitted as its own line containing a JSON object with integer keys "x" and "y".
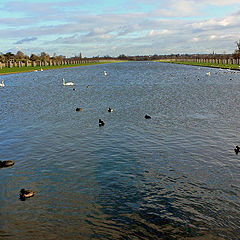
{"x": 211, "y": 65}
{"x": 6, "y": 70}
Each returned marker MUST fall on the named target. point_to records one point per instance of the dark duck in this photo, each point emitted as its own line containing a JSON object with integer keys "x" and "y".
{"x": 101, "y": 123}
{"x": 147, "y": 116}
{"x": 7, "y": 163}
{"x": 24, "y": 193}
{"x": 236, "y": 149}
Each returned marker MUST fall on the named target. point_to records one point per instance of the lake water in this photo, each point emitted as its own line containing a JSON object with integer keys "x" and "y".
{"x": 174, "y": 176}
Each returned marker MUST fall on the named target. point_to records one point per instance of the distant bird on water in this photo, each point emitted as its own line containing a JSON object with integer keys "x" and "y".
{"x": 68, "y": 83}
{"x": 237, "y": 149}
{"x": 110, "y": 110}
{"x": 2, "y": 84}
{"x": 208, "y": 73}
{"x": 101, "y": 123}
{"x": 105, "y": 73}
{"x": 147, "y": 116}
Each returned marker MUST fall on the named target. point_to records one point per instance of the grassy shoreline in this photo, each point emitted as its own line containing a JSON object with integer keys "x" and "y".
{"x": 210, "y": 65}
{"x": 14, "y": 70}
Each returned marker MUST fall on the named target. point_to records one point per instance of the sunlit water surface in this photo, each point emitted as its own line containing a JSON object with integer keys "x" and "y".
{"x": 174, "y": 176}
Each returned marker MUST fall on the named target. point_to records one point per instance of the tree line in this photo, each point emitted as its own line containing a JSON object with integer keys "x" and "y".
{"x": 43, "y": 56}
{"x": 20, "y": 56}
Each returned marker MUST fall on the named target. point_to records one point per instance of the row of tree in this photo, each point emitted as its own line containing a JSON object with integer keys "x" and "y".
{"x": 20, "y": 56}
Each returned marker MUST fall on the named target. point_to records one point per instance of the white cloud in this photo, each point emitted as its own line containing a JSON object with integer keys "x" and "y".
{"x": 179, "y": 25}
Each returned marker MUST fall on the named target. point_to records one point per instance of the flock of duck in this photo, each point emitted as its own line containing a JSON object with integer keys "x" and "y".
{"x": 100, "y": 121}
{"x": 24, "y": 193}
{"x": 27, "y": 193}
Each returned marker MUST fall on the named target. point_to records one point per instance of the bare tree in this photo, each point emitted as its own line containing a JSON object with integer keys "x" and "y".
{"x": 236, "y": 53}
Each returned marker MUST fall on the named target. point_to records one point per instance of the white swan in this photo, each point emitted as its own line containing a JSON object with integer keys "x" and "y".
{"x": 2, "y": 84}
{"x": 68, "y": 83}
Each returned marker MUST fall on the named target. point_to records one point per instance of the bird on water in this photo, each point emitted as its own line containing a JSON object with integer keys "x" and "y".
{"x": 101, "y": 123}
{"x": 24, "y": 193}
{"x": 67, "y": 84}
{"x": 2, "y": 84}
{"x": 7, "y": 163}
{"x": 237, "y": 149}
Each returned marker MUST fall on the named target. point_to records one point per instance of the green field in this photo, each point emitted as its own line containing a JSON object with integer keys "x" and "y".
{"x": 212, "y": 65}
{"x": 6, "y": 70}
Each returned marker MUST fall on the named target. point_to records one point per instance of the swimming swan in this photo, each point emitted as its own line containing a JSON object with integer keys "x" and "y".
{"x": 68, "y": 83}
{"x": 2, "y": 84}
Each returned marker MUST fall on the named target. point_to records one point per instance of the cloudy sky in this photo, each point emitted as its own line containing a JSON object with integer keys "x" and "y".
{"x": 114, "y": 27}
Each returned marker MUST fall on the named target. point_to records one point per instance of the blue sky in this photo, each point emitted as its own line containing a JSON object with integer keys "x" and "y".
{"x": 130, "y": 27}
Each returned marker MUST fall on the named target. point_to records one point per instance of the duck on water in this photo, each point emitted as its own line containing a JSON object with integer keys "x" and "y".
{"x": 24, "y": 193}
{"x": 7, "y": 163}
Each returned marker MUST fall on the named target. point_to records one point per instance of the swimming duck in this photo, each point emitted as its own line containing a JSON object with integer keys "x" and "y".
{"x": 26, "y": 193}
{"x": 105, "y": 73}
{"x": 7, "y": 163}
{"x": 147, "y": 116}
{"x": 101, "y": 123}
{"x": 110, "y": 110}
{"x": 78, "y": 109}
{"x": 68, "y": 83}
{"x": 236, "y": 149}
{"x": 74, "y": 89}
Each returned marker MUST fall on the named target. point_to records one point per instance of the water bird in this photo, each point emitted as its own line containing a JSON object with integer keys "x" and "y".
{"x": 236, "y": 149}
{"x": 88, "y": 86}
{"x": 208, "y": 73}
{"x": 105, "y": 73}
{"x": 78, "y": 109}
{"x": 147, "y": 116}
{"x": 74, "y": 89}
{"x": 68, "y": 83}
{"x": 7, "y": 163}
{"x": 110, "y": 110}
{"x": 2, "y": 84}
{"x": 101, "y": 123}
{"x": 26, "y": 194}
